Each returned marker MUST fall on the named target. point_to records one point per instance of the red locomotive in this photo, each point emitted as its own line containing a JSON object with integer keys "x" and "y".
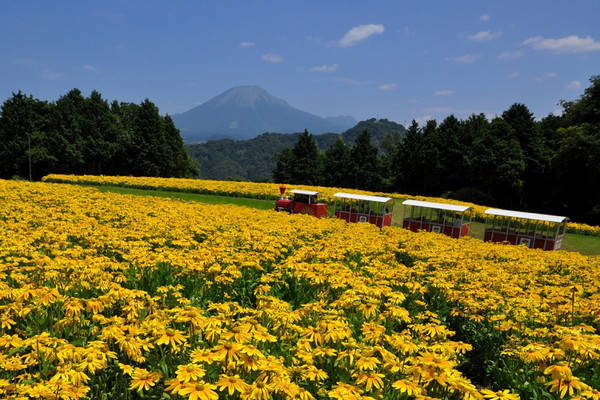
{"x": 304, "y": 202}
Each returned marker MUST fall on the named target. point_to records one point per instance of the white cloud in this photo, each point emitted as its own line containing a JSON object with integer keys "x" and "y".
{"x": 514, "y": 75}
{"x": 351, "y": 82}
{"x": 558, "y": 112}
{"x": 466, "y": 59}
{"x": 387, "y": 86}
{"x": 574, "y": 85}
{"x": 546, "y": 76}
{"x": 360, "y": 33}
{"x": 568, "y": 44}
{"x": 485, "y": 35}
{"x": 246, "y": 44}
{"x": 444, "y": 92}
{"x": 325, "y": 68}
{"x": 51, "y": 76}
{"x": 484, "y": 17}
{"x": 89, "y": 68}
{"x": 272, "y": 58}
{"x": 508, "y": 55}
{"x": 424, "y": 119}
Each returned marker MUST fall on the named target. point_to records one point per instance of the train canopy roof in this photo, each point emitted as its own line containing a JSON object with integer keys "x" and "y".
{"x": 305, "y": 192}
{"x": 352, "y": 196}
{"x": 438, "y": 206}
{"x": 526, "y": 215}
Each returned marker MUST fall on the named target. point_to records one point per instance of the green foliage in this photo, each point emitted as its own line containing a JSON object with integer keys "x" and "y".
{"x": 364, "y": 165}
{"x": 498, "y": 163}
{"x": 82, "y": 135}
{"x": 255, "y": 160}
{"x": 300, "y": 164}
{"x": 335, "y": 163}
{"x": 576, "y": 166}
{"x": 306, "y": 168}
{"x": 587, "y": 108}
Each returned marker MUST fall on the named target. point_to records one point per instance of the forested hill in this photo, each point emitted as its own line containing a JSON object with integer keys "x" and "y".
{"x": 254, "y": 159}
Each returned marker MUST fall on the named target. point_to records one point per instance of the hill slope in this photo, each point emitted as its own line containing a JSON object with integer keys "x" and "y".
{"x": 246, "y": 111}
{"x": 254, "y": 160}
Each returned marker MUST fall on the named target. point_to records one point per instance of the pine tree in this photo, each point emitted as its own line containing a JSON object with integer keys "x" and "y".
{"x": 364, "y": 164}
{"x": 306, "y": 169}
{"x": 337, "y": 168}
{"x": 284, "y": 169}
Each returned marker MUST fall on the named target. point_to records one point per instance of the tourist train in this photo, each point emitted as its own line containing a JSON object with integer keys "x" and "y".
{"x": 538, "y": 231}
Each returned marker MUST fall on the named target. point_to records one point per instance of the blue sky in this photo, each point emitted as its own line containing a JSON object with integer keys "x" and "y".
{"x": 399, "y": 60}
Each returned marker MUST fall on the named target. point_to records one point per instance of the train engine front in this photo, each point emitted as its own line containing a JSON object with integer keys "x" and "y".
{"x": 304, "y": 202}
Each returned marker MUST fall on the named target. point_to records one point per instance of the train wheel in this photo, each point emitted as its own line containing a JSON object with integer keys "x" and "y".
{"x": 308, "y": 211}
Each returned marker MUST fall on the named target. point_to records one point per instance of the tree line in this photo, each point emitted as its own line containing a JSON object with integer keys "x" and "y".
{"x": 87, "y": 135}
{"x": 514, "y": 161}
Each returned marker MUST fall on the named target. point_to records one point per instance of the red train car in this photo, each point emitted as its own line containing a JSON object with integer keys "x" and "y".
{"x": 448, "y": 219}
{"x": 304, "y": 202}
{"x": 360, "y": 208}
{"x": 536, "y": 231}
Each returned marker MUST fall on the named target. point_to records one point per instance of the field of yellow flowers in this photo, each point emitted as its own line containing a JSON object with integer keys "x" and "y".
{"x": 109, "y": 296}
{"x": 261, "y": 190}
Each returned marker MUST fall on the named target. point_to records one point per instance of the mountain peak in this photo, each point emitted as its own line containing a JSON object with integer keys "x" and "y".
{"x": 243, "y": 112}
{"x": 246, "y": 96}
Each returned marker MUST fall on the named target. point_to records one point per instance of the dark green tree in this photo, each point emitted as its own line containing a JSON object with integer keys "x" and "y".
{"x": 452, "y": 153}
{"x": 100, "y": 140}
{"x": 364, "y": 165}
{"x": 23, "y": 136}
{"x": 80, "y": 135}
{"x": 428, "y": 160}
{"x": 181, "y": 164}
{"x": 576, "y": 168}
{"x": 405, "y": 174}
{"x": 284, "y": 169}
{"x": 585, "y": 110}
{"x": 336, "y": 165}
{"x": 498, "y": 163}
{"x": 536, "y": 154}
{"x": 307, "y": 169}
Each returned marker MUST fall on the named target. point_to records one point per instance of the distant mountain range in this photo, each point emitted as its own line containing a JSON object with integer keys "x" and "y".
{"x": 244, "y": 112}
{"x": 254, "y": 159}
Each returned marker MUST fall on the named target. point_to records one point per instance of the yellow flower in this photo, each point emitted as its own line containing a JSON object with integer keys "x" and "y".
{"x": 408, "y": 387}
{"x": 564, "y": 386}
{"x": 230, "y": 351}
{"x": 370, "y": 380}
{"x": 500, "y": 395}
{"x": 171, "y": 337}
{"x": 367, "y": 363}
{"x": 260, "y": 390}
{"x": 127, "y": 369}
{"x": 232, "y": 384}
{"x": 142, "y": 379}
{"x": 559, "y": 371}
{"x": 199, "y": 391}
{"x": 189, "y": 372}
